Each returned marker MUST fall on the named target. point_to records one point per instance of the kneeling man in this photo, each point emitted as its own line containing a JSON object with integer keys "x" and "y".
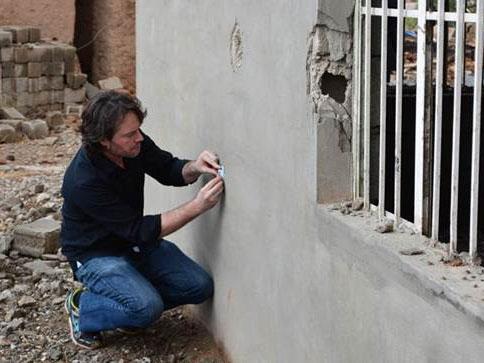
{"x": 129, "y": 272}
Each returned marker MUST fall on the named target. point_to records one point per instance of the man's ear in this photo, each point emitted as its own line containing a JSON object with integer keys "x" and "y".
{"x": 106, "y": 144}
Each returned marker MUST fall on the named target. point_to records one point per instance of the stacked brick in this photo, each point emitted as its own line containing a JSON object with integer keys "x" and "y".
{"x": 36, "y": 73}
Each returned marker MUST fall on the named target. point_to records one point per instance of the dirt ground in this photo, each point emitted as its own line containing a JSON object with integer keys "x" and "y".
{"x": 54, "y": 17}
{"x": 33, "y": 323}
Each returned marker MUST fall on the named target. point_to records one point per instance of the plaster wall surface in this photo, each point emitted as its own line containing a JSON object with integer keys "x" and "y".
{"x": 293, "y": 281}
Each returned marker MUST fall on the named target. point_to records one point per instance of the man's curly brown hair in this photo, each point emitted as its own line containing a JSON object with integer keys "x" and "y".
{"x": 102, "y": 115}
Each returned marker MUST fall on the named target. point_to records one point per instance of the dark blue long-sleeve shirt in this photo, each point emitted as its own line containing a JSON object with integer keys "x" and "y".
{"x": 103, "y": 203}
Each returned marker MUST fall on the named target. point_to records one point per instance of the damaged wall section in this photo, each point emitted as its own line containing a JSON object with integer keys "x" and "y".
{"x": 329, "y": 64}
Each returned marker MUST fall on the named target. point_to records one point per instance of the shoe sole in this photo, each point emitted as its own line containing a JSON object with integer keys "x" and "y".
{"x": 129, "y": 332}
{"x": 72, "y": 331}
{"x": 75, "y": 341}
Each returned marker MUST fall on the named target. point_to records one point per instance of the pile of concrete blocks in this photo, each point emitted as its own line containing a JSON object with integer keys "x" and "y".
{"x": 38, "y": 74}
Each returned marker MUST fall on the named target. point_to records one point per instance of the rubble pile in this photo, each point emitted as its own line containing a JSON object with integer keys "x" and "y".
{"x": 36, "y": 73}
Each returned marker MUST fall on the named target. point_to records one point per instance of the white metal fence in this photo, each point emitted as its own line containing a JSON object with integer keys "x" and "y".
{"x": 424, "y": 15}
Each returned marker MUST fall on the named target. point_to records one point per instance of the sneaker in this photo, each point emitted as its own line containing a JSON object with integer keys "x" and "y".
{"x": 85, "y": 340}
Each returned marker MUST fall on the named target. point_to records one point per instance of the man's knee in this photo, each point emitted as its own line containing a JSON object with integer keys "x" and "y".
{"x": 204, "y": 288}
{"x": 147, "y": 310}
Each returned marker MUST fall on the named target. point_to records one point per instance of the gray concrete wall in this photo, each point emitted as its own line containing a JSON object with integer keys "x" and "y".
{"x": 294, "y": 282}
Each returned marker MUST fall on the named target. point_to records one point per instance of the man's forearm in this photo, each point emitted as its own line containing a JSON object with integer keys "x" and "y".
{"x": 190, "y": 173}
{"x": 173, "y": 220}
{"x": 206, "y": 198}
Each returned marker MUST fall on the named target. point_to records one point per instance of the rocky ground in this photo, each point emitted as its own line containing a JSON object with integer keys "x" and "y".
{"x": 33, "y": 324}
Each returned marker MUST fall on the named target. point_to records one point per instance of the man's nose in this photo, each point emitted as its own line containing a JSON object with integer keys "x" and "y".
{"x": 139, "y": 137}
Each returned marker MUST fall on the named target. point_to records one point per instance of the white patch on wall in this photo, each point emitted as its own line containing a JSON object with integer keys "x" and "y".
{"x": 236, "y": 52}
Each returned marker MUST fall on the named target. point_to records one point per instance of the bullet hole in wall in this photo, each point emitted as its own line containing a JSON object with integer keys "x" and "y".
{"x": 333, "y": 86}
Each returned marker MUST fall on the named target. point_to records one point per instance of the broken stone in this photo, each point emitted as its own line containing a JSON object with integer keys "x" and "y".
{"x": 112, "y": 83}
{"x": 91, "y": 90}
{"x": 4, "y": 341}
{"x": 453, "y": 260}
{"x": 7, "y": 134}
{"x": 54, "y": 119}
{"x": 347, "y": 204}
{"x": 411, "y": 251}
{"x": 37, "y": 238}
{"x": 14, "y": 325}
{"x": 13, "y": 313}
{"x": 20, "y": 288}
{"x": 6, "y": 295}
{"x": 51, "y": 140}
{"x": 26, "y": 301}
{"x": 357, "y": 205}
{"x": 50, "y": 257}
{"x": 60, "y": 256}
{"x": 384, "y": 226}
{"x": 43, "y": 197}
{"x": 39, "y": 267}
{"x": 58, "y": 300}
{"x": 35, "y": 129}
{"x": 11, "y": 203}
{"x": 39, "y": 188}
{"x": 5, "y": 243}
{"x": 345, "y": 210}
{"x": 11, "y": 157}
{"x": 55, "y": 353}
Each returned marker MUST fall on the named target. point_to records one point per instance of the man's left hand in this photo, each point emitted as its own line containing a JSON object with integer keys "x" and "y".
{"x": 206, "y": 163}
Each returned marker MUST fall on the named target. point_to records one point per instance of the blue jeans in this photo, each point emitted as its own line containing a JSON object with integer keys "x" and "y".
{"x": 133, "y": 290}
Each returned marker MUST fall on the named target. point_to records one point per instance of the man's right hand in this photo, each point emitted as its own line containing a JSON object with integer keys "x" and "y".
{"x": 206, "y": 198}
{"x": 210, "y": 194}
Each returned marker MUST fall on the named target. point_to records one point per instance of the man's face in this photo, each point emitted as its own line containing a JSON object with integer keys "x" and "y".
{"x": 126, "y": 142}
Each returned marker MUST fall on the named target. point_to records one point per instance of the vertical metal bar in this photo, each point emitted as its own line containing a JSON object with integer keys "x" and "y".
{"x": 366, "y": 161}
{"x": 420, "y": 115}
{"x": 476, "y": 128}
{"x": 383, "y": 108}
{"x": 428, "y": 130}
{"x": 439, "y": 79}
{"x": 398, "y": 112}
{"x": 459, "y": 58}
{"x": 356, "y": 100}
